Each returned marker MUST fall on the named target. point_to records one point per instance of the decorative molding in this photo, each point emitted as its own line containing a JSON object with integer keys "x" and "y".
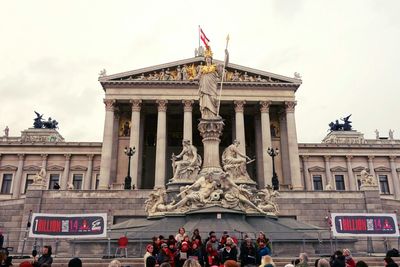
{"x": 290, "y": 106}
{"x": 32, "y": 168}
{"x": 370, "y": 158}
{"x": 187, "y": 105}
{"x": 327, "y": 158}
{"x": 264, "y": 106}
{"x": 239, "y": 105}
{"x": 382, "y": 169}
{"x": 21, "y": 156}
{"x": 109, "y": 104}
{"x": 90, "y": 156}
{"x": 316, "y": 169}
{"x": 67, "y": 156}
{"x": 8, "y": 168}
{"x": 55, "y": 168}
{"x": 392, "y": 158}
{"x": 136, "y": 105}
{"x": 78, "y": 168}
{"x": 349, "y": 157}
{"x": 162, "y": 105}
{"x": 44, "y": 156}
{"x": 338, "y": 169}
{"x": 305, "y": 157}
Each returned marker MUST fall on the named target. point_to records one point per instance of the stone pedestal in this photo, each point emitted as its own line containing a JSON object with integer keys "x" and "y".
{"x": 41, "y": 135}
{"x": 37, "y": 187}
{"x": 211, "y": 130}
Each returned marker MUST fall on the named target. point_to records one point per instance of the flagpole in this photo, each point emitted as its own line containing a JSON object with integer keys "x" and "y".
{"x": 223, "y": 75}
{"x": 199, "y": 38}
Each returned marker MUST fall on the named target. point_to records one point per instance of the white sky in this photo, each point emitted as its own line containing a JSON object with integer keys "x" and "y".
{"x": 347, "y": 52}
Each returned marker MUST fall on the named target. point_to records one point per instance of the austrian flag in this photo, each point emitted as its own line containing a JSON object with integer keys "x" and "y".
{"x": 204, "y": 38}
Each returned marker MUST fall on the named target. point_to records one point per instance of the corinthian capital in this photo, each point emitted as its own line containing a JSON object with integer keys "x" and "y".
{"x": 188, "y": 105}
{"x": 239, "y": 105}
{"x": 290, "y": 105}
{"x": 109, "y": 103}
{"x": 136, "y": 104}
{"x": 264, "y": 106}
{"x": 162, "y": 105}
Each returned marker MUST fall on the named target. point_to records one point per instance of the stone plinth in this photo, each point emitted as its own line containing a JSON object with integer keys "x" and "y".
{"x": 41, "y": 135}
{"x": 344, "y": 137}
{"x": 37, "y": 187}
{"x": 211, "y": 130}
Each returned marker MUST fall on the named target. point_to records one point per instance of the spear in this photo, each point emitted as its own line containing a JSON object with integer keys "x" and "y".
{"x": 223, "y": 75}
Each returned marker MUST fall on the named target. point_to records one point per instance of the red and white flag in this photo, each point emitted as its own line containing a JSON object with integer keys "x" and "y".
{"x": 204, "y": 38}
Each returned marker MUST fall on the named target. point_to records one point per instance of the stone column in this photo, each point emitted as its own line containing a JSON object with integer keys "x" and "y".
{"x": 161, "y": 144}
{"x": 307, "y": 178}
{"x": 371, "y": 166}
{"x": 395, "y": 177}
{"x": 65, "y": 176}
{"x": 284, "y": 149}
{"x": 106, "y": 151}
{"x": 266, "y": 141}
{"x": 88, "y": 175}
{"x": 187, "y": 120}
{"x": 293, "y": 146}
{"x": 114, "y": 153}
{"x": 134, "y": 139}
{"x": 44, "y": 160}
{"x": 259, "y": 151}
{"x": 352, "y": 181}
{"x": 16, "y": 191}
{"x": 239, "y": 125}
{"x": 328, "y": 174}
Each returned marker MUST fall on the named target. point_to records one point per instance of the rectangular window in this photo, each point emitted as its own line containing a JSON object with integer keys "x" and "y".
{"x": 54, "y": 179}
{"x": 384, "y": 184}
{"x": 97, "y": 181}
{"x": 77, "y": 181}
{"x": 358, "y": 176}
{"x": 29, "y": 180}
{"x": 339, "y": 180}
{"x": 317, "y": 181}
{"x": 6, "y": 184}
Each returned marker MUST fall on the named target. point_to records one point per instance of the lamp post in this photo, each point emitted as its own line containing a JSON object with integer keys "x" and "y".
{"x": 273, "y": 153}
{"x": 128, "y": 180}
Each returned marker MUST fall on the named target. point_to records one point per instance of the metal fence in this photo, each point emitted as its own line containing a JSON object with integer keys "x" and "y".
{"x": 315, "y": 242}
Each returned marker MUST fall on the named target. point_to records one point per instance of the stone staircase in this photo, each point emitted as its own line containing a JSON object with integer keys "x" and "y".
{"x": 373, "y": 261}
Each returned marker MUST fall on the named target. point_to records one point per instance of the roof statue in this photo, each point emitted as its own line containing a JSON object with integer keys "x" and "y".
{"x": 345, "y": 126}
{"x": 40, "y": 123}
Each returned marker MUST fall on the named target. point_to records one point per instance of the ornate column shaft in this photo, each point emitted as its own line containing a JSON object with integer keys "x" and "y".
{"x": 352, "y": 181}
{"x": 328, "y": 174}
{"x": 114, "y": 153}
{"x": 266, "y": 141}
{"x": 161, "y": 143}
{"x": 293, "y": 146}
{"x": 134, "y": 139}
{"x": 284, "y": 148}
{"x": 187, "y": 120}
{"x": 259, "y": 151}
{"x": 106, "y": 151}
{"x": 88, "y": 175}
{"x": 395, "y": 178}
{"x": 307, "y": 178}
{"x": 239, "y": 125}
{"x": 16, "y": 191}
{"x": 44, "y": 160}
{"x": 65, "y": 176}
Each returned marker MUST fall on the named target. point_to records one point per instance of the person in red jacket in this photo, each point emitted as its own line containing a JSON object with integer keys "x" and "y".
{"x": 349, "y": 259}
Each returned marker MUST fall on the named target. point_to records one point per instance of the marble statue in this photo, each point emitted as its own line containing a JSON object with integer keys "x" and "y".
{"x": 70, "y": 186}
{"x": 189, "y": 166}
{"x": 391, "y": 134}
{"x": 40, "y": 177}
{"x": 367, "y": 179}
{"x": 234, "y": 162}
{"x": 208, "y": 77}
{"x": 6, "y": 131}
{"x": 155, "y": 204}
{"x": 267, "y": 200}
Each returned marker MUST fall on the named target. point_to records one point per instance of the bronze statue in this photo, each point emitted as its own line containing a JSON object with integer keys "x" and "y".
{"x": 336, "y": 126}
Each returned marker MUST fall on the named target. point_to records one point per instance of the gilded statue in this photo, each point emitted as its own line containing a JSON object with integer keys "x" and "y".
{"x": 234, "y": 162}
{"x": 209, "y": 76}
{"x": 189, "y": 166}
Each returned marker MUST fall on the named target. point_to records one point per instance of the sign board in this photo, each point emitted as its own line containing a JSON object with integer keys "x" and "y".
{"x": 365, "y": 224}
{"x": 46, "y": 225}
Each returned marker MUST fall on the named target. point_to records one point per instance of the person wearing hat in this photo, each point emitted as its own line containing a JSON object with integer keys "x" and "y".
{"x": 164, "y": 255}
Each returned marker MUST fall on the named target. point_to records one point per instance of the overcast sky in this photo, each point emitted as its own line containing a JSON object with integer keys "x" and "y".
{"x": 346, "y": 51}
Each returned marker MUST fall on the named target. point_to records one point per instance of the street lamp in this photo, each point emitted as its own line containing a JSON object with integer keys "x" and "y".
{"x": 128, "y": 180}
{"x": 273, "y": 153}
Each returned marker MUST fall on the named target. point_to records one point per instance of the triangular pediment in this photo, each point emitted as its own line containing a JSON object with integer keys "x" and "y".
{"x": 316, "y": 169}
{"x": 338, "y": 169}
{"x": 55, "y": 168}
{"x": 382, "y": 169}
{"x": 8, "y": 168}
{"x": 78, "y": 168}
{"x": 183, "y": 71}
{"x": 360, "y": 168}
{"x": 32, "y": 168}
{"x": 96, "y": 169}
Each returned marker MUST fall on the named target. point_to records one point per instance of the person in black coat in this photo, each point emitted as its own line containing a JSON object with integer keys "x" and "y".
{"x": 229, "y": 252}
{"x": 248, "y": 253}
{"x": 45, "y": 259}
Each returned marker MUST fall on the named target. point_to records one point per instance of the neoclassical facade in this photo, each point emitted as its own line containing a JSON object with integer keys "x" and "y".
{"x": 153, "y": 109}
